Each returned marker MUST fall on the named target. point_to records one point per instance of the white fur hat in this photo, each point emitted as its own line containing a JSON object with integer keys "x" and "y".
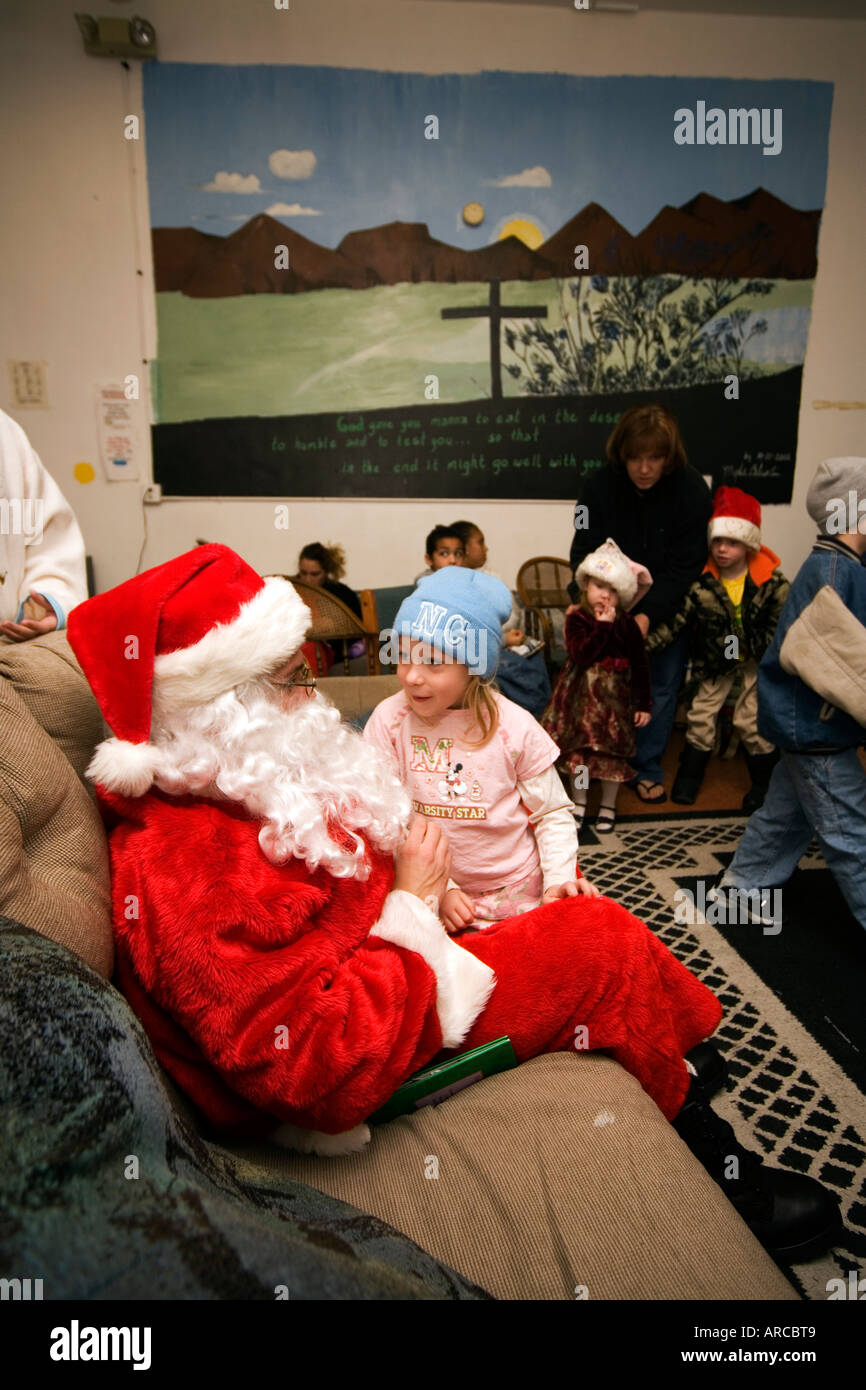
{"x": 610, "y": 566}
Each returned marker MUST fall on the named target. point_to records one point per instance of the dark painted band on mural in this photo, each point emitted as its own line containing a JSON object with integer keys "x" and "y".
{"x": 536, "y": 447}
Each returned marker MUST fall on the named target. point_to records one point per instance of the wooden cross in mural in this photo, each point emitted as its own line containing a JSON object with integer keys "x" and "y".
{"x": 496, "y": 312}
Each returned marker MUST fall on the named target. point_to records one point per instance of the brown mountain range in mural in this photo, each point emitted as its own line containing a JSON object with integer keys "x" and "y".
{"x": 758, "y": 235}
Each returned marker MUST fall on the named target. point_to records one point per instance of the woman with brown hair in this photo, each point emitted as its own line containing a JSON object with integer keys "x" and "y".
{"x": 324, "y": 566}
{"x": 656, "y": 507}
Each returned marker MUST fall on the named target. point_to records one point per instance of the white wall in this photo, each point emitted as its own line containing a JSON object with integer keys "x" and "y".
{"x": 76, "y": 230}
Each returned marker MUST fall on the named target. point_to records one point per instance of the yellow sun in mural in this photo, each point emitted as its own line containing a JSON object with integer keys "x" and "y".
{"x": 526, "y": 231}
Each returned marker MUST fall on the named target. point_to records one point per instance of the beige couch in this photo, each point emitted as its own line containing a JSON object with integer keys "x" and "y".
{"x": 558, "y": 1180}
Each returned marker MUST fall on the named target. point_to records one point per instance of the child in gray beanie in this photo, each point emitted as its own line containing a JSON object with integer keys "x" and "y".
{"x": 812, "y": 704}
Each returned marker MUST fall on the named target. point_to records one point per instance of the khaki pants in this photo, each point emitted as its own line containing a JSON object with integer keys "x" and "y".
{"x": 712, "y": 693}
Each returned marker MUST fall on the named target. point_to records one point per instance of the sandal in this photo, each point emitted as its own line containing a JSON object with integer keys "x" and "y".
{"x": 605, "y": 820}
{"x": 649, "y": 784}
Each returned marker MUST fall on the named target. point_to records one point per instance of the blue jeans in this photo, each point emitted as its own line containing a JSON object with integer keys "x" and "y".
{"x": 524, "y": 680}
{"x": 810, "y": 793}
{"x": 666, "y": 673}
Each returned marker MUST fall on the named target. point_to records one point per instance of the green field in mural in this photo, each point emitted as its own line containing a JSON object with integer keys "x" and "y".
{"x": 336, "y": 350}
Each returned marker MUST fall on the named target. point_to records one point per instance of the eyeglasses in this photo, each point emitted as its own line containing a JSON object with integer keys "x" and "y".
{"x": 301, "y": 679}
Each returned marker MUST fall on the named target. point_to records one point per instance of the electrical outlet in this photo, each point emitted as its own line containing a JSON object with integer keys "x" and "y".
{"x": 152, "y": 494}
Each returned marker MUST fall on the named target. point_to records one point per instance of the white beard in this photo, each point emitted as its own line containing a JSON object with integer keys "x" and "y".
{"x": 299, "y": 771}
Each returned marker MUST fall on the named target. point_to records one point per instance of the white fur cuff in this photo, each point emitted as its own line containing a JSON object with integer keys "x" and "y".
{"x": 312, "y": 1141}
{"x": 464, "y": 983}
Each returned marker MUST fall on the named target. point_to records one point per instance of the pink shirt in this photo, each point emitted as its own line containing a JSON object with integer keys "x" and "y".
{"x": 473, "y": 792}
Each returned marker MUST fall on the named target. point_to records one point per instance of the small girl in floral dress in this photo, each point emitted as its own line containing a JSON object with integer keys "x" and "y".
{"x": 603, "y": 692}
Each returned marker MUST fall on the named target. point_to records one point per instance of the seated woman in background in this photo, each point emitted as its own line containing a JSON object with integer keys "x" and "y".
{"x": 324, "y": 566}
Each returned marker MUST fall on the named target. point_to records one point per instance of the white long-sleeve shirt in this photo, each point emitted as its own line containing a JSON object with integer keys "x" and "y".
{"x": 41, "y": 546}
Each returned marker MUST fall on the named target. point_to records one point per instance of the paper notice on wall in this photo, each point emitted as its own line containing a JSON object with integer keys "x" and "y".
{"x": 117, "y": 427}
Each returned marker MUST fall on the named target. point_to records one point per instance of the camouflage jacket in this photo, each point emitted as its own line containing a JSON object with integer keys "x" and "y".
{"x": 708, "y": 615}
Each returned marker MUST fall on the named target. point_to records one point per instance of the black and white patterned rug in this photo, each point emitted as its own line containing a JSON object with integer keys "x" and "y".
{"x": 789, "y": 1099}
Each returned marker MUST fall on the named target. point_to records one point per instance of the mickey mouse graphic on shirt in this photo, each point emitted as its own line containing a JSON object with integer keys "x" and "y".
{"x": 452, "y": 784}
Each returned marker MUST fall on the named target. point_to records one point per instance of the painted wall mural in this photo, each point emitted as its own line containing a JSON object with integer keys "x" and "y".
{"x": 391, "y": 284}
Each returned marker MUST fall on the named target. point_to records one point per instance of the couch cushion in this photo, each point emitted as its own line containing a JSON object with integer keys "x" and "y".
{"x": 106, "y": 1192}
{"x": 356, "y": 696}
{"x": 53, "y": 853}
{"x": 52, "y": 685}
{"x": 559, "y": 1175}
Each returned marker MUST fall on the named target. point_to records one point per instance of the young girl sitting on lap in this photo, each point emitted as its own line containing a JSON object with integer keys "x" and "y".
{"x": 473, "y": 759}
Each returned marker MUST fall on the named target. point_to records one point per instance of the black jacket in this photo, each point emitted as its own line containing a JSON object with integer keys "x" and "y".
{"x": 664, "y": 528}
{"x": 344, "y": 594}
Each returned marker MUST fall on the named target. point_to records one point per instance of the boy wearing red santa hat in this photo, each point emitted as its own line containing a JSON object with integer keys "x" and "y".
{"x": 731, "y": 613}
{"x": 277, "y": 929}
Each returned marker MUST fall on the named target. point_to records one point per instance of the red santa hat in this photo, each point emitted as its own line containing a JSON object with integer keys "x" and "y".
{"x": 178, "y": 635}
{"x": 736, "y": 517}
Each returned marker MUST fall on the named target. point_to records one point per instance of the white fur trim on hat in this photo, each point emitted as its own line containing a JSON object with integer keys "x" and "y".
{"x": 735, "y": 528}
{"x": 126, "y": 768}
{"x": 610, "y": 566}
{"x": 268, "y": 630}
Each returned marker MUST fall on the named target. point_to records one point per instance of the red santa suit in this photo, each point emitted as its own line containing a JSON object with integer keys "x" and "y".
{"x": 276, "y": 992}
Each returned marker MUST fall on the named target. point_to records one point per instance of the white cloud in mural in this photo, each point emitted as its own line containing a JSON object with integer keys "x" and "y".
{"x": 291, "y": 210}
{"x": 292, "y": 164}
{"x": 536, "y": 177}
{"x": 224, "y": 182}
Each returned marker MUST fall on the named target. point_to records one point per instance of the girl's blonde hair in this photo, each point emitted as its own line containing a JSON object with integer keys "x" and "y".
{"x": 483, "y": 708}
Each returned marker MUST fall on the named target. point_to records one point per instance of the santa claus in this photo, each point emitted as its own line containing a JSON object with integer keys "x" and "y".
{"x": 276, "y": 908}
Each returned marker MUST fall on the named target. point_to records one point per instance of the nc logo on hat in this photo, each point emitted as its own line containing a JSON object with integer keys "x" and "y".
{"x": 429, "y": 620}
{"x": 452, "y": 635}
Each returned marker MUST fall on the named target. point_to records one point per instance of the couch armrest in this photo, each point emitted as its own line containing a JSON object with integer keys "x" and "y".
{"x": 53, "y": 852}
{"x": 52, "y": 685}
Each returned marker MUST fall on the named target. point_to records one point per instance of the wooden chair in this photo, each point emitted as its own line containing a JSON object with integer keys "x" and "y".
{"x": 334, "y": 621}
{"x": 543, "y": 587}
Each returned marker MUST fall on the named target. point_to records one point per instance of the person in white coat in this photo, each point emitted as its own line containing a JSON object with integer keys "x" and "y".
{"x": 42, "y": 569}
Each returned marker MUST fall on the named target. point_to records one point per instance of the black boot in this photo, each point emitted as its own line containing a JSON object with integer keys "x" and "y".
{"x": 793, "y": 1216}
{"x": 710, "y": 1065}
{"x": 693, "y": 762}
{"x": 760, "y": 770}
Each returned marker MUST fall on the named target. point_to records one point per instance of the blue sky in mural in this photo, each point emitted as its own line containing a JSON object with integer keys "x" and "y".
{"x": 536, "y": 146}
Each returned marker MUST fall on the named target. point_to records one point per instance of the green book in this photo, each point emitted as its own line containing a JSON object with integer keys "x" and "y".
{"x": 436, "y": 1083}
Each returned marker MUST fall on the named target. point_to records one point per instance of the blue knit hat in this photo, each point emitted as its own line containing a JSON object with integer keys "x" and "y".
{"x": 460, "y": 612}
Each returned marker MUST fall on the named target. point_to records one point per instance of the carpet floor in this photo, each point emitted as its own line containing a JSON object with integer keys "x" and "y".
{"x": 793, "y": 1031}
